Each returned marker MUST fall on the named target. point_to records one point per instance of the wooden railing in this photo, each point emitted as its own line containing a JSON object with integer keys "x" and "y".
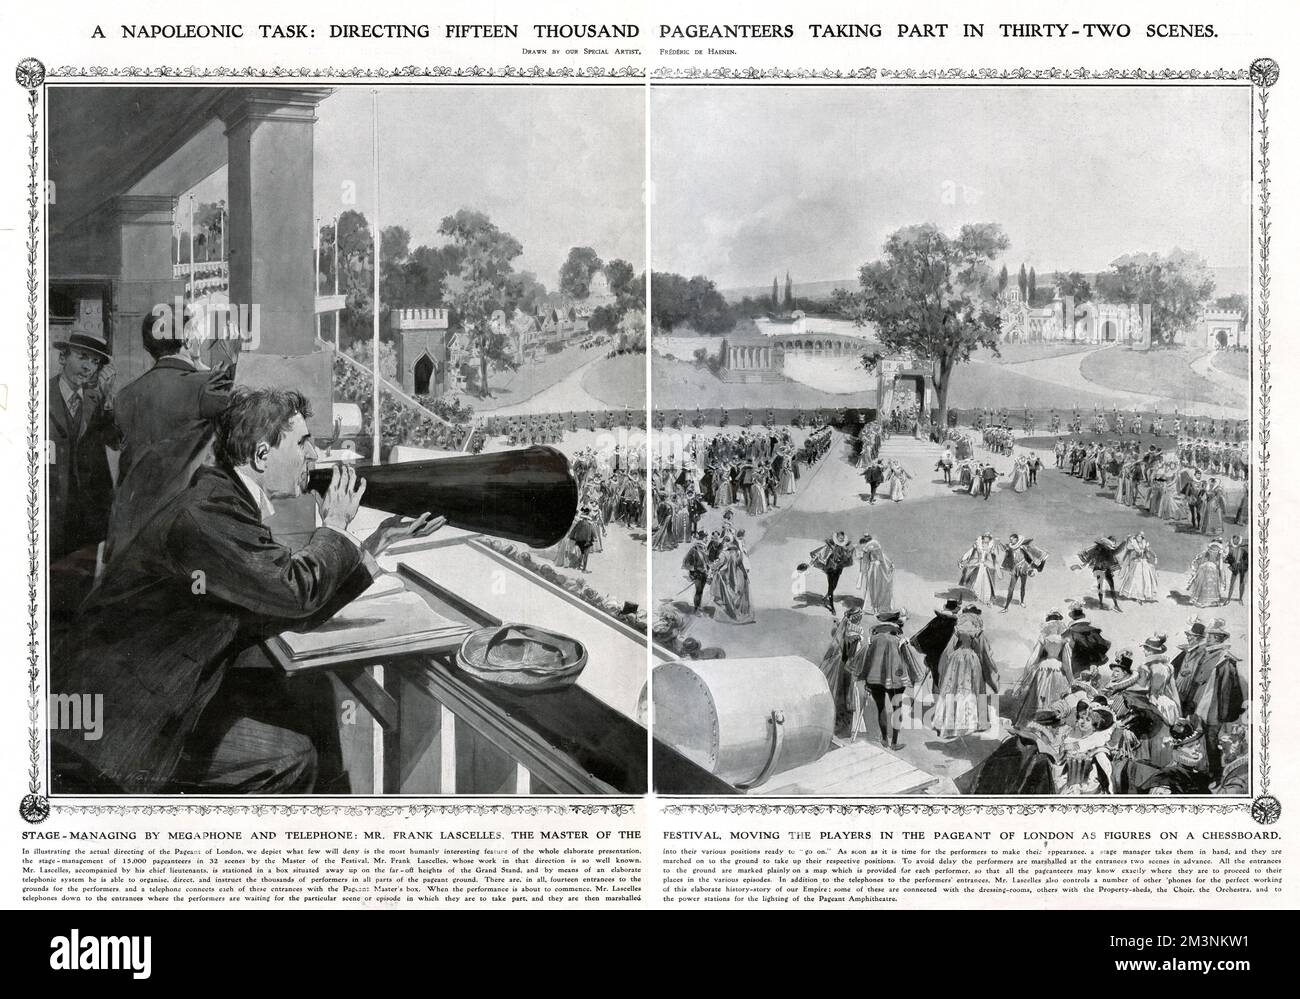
{"x": 564, "y": 742}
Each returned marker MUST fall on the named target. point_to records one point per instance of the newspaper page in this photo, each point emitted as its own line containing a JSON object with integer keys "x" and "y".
{"x": 666, "y": 456}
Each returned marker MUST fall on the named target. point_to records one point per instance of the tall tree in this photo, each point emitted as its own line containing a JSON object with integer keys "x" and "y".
{"x": 577, "y": 271}
{"x": 356, "y": 262}
{"x": 1022, "y": 281}
{"x": 528, "y": 293}
{"x": 1033, "y": 287}
{"x": 776, "y": 295}
{"x": 209, "y": 220}
{"x": 676, "y": 301}
{"x": 424, "y": 272}
{"x": 622, "y": 277}
{"x": 483, "y": 283}
{"x": 789, "y": 293}
{"x": 1003, "y": 278}
{"x": 931, "y": 295}
{"x": 1176, "y": 285}
{"x": 1074, "y": 284}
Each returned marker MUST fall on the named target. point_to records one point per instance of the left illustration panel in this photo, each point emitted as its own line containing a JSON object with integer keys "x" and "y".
{"x": 325, "y": 517}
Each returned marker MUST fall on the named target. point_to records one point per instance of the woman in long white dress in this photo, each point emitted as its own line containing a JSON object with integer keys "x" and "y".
{"x": 1126, "y": 493}
{"x": 758, "y": 492}
{"x": 1137, "y": 576}
{"x": 787, "y": 471}
{"x": 1020, "y": 475}
{"x": 897, "y": 481}
{"x": 968, "y": 682}
{"x": 875, "y": 576}
{"x": 979, "y": 569}
{"x": 1205, "y": 587}
{"x": 888, "y": 484}
{"x": 1048, "y": 671}
{"x": 1173, "y": 504}
{"x": 722, "y": 485}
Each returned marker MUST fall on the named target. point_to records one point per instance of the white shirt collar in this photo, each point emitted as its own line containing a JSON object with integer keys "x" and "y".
{"x": 263, "y": 501}
{"x": 67, "y": 389}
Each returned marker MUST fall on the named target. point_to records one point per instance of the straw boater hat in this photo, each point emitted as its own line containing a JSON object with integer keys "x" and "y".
{"x": 89, "y": 343}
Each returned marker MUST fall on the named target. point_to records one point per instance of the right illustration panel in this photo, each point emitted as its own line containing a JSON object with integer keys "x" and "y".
{"x": 951, "y": 438}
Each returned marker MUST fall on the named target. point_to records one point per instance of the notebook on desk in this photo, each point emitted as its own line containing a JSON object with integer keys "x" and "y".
{"x": 386, "y": 618}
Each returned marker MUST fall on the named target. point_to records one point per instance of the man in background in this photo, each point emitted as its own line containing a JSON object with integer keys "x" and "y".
{"x": 167, "y": 418}
{"x": 80, "y": 427}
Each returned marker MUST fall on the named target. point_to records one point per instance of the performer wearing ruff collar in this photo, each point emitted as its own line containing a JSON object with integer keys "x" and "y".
{"x": 1021, "y": 559}
{"x": 1103, "y": 559}
{"x": 833, "y": 557}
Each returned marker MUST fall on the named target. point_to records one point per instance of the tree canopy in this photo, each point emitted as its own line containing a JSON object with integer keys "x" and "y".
{"x": 483, "y": 283}
{"x": 1076, "y": 284}
{"x": 696, "y": 302}
{"x": 1177, "y": 285}
{"x": 931, "y": 295}
{"x": 577, "y": 271}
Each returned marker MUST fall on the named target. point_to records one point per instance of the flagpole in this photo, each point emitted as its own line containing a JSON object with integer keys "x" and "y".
{"x": 336, "y": 280}
{"x": 191, "y": 282}
{"x": 374, "y": 351}
{"x": 316, "y": 275}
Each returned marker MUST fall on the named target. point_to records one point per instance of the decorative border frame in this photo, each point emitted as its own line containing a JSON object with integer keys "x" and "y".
{"x": 1056, "y": 806}
{"x": 31, "y": 75}
{"x": 402, "y": 811}
{"x": 985, "y": 73}
{"x": 186, "y": 73}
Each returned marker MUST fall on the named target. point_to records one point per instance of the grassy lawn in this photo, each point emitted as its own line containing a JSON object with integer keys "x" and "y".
{"x": 1018, "y": 353}
{"x": 617, "y": 381}
{"x": 512, "y": 387}
{"x": 975, "y": 386}
{"x": 1164, "y": 372}
{"x": 1233, "y": 362}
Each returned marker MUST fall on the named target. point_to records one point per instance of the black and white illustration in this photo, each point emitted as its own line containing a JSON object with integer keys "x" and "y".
{"x": 266, "y": 570}
{"x": 953, "y": 459}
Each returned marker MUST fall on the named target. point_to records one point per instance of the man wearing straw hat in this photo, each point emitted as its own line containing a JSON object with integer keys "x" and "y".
{"x": 80, "y": 427}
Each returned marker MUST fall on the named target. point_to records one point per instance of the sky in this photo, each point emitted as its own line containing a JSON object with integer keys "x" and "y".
{"x": 555, "y": 167}
{"x": 749, "y": 182}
